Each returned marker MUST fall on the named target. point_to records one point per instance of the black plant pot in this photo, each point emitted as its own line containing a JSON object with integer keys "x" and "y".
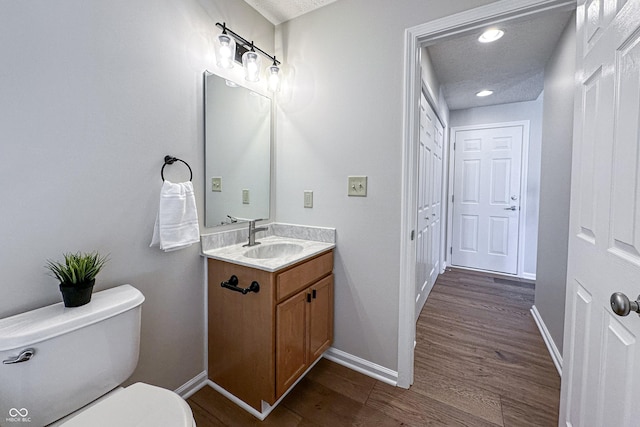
{"x": 77, "y": 295}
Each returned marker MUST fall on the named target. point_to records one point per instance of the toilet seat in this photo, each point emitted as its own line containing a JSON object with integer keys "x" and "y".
{"x": 139, "y": 405}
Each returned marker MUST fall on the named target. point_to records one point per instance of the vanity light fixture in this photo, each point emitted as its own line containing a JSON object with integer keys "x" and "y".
{"x": 491, "y": 35}
{"x": 484, "y": 93}
{"x": 273, "y": 76}
{"x": 225, "y": 48}
{"x": 246, "y": 52}
{"x": 251, "y": 65}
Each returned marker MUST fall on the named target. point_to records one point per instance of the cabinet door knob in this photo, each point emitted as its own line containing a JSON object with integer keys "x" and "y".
{"x": 308, "y": 297}
{"x": 313, "y": 294}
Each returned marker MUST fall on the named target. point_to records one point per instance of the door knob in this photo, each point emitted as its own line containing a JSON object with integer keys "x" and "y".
{"x": 622, "y": 306}
{"x": 510, "y": 208}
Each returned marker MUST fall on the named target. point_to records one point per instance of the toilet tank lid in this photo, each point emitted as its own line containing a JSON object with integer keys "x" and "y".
{"x": 31, "y": 327}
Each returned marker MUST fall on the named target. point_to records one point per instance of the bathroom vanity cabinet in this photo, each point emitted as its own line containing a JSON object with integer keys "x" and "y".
{"x": 261, "y": 343}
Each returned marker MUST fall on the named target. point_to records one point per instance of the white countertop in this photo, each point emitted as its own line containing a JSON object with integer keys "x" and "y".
{"x": 235, "y": 253}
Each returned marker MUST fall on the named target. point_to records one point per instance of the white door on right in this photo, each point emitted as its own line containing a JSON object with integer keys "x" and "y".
{"x": 486, "y": 191}
{"x": 601, "y": 356}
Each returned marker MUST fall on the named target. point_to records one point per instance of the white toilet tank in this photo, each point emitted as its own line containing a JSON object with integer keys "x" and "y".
{"x": 79, "y": 354}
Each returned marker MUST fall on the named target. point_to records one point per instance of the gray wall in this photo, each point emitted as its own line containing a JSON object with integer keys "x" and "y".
{"x": 531, "y": 111}
{"x": 93, "y": 95}
{"x": 555, "y": 185}
{"x": 343, "y": 117}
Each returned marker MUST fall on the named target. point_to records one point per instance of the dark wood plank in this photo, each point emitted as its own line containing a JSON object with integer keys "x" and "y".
{"x": 229, "y": 414}
{"x": 465, "y": 397}
{"x": 342, "y": 380}
{"x": 325, "y": 407}
{"x": 519, "y": 414}
{"x": 417, "y": 410}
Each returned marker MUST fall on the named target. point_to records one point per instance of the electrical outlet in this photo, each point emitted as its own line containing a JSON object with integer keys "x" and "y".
{"x": 308, "y": 198}
{"x": 216, "y": 183}
{"x": 357, "y": 186}
{"x": 245, "y": 197}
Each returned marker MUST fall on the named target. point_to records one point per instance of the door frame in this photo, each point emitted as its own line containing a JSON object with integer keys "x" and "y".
{"x": 524, "y": 169}
{"x": 414, "y": 38}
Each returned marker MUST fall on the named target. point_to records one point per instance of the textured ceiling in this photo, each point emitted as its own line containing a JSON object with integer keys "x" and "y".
{"x": 513, "y": 67}
{"x": 279, "y": 11}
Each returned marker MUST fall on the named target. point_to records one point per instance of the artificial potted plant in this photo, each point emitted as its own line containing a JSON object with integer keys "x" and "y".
{"x": 77, "y": 275}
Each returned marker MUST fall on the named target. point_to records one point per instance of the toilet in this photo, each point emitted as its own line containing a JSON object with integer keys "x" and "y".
{"x": 66, "y": 366}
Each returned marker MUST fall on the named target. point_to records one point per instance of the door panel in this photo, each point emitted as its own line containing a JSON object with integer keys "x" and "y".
{"x": 429, "y": 203}
{"x": 487, "y": 174}
{"x": 601, "y": 358}
{"x": 321, "y": 318}
{"x": 291, "y": 342}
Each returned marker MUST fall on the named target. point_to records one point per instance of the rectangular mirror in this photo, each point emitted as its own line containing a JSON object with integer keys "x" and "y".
{"x": 237, "y": 152}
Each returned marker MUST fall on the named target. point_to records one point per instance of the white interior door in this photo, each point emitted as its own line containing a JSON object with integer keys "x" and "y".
{"x": 601, "y": 366}
{"x": 429, "y": 203}
{"x": 486, "y": 191}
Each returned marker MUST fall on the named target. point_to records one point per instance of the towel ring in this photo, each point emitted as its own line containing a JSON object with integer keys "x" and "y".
{"x": 169, "y": 160}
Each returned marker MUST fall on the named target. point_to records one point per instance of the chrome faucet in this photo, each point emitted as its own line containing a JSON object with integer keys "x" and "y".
{"x": 252, "y": 232}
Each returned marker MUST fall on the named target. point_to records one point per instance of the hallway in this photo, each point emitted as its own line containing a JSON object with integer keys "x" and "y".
{"x": 479, "y": 361}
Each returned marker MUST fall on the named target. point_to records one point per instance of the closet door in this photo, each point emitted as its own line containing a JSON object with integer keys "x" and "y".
{"x": 429, "y": 204}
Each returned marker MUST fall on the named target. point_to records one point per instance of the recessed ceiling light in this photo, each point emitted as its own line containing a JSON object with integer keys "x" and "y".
{"x": 490, "y": 35}
{"x": 484, "y": 93}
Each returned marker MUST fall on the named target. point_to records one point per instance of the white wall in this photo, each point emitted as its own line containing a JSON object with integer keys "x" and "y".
{"x": 433, "y": 86}
{"x": 531, "y": 111}
{"x": 555, "y": 184}
{"x": 343, "y": 117}
{"x": 93, "y": 95}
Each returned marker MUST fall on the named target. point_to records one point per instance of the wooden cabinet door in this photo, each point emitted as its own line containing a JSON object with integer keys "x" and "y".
{"x": 320, "y": 318}
{"x": 291, "y": 340}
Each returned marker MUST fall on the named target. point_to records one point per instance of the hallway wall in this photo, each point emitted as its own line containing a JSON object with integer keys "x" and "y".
{"x": 555, "y": 184}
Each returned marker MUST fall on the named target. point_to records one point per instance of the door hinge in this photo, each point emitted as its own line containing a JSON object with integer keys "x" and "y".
{"x": 452, "y": 198}
{"x": 451, "y": 250}
{"x": 413, "y": 234}
{"x": 454, "y": 146}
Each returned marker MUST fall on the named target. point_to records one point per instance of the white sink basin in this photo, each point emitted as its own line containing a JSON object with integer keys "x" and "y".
{"x": 273, "y": 250}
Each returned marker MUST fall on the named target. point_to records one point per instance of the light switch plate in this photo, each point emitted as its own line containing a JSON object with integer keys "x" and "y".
{"x": 216, "y": 183}
{"x": 245, "y": 197}
{"x": 357, "y": 186}
{"x": 308, "y": 198}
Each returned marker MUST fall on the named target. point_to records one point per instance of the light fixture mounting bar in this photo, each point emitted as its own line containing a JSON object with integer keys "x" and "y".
{"x": 245, "y": 42}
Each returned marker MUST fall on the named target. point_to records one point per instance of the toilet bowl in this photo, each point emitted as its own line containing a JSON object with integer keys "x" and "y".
{"x": 66, "y": 365}
{"x": 139, "y": 404}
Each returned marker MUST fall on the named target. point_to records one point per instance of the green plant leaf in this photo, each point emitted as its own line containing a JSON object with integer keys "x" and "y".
{"x": 78, "y": 268}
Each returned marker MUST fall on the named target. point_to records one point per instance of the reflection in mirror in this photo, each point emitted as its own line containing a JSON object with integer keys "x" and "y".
{"x": 237, "y": 152}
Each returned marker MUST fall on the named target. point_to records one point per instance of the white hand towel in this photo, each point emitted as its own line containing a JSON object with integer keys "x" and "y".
{"x": 176, "y": 224}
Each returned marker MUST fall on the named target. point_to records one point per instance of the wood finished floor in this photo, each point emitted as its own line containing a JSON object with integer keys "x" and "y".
{"x": 479, "y": 361}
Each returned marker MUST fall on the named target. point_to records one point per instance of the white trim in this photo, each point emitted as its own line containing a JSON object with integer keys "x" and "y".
{"x": 363, "y": 366}
{"x": 548, "y": 340}
{"x": 205, "y": 361}
{"x": 192, "y": 386}
{"x": 529, "y": 276}
{"x": 524, "y": 169}
{"x": 266, "y": 408}
{"x": 408, "y": 218}
{"x": 414, "y": 38}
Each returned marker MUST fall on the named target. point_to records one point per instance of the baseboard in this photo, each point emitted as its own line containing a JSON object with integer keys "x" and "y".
{"x": 363, "y": 366}
{"x": 266, "y": 408}
{"x": 529, "y": 276}
{"x": 548, "y": 340}
{"x": 193, "y": 385}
